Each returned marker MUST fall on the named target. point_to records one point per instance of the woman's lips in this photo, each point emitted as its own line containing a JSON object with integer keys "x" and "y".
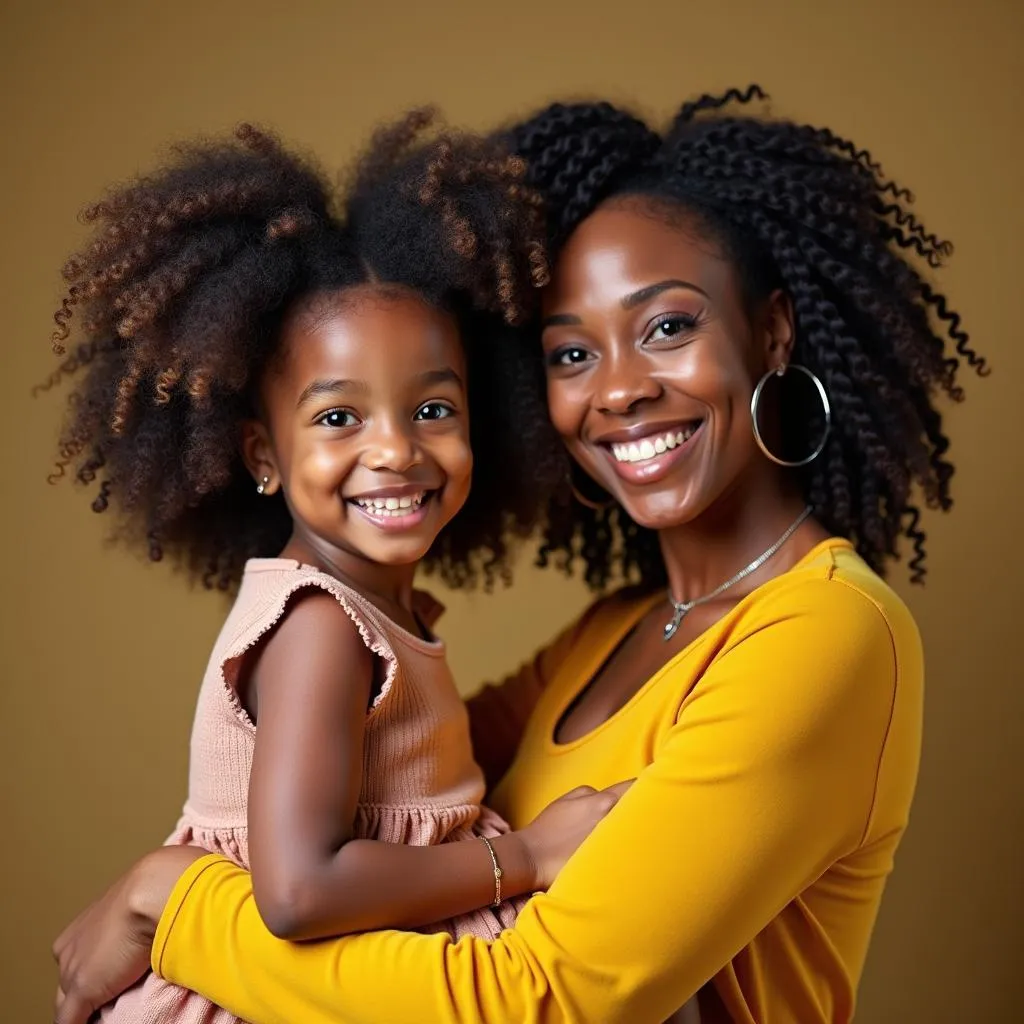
{"x": 649, "y": 458}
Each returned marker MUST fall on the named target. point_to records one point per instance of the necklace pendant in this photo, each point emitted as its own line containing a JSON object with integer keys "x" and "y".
{"x": 676, "y": 621}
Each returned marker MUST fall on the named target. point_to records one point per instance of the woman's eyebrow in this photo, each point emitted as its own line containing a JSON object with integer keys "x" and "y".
{"x": 641, "y": 296}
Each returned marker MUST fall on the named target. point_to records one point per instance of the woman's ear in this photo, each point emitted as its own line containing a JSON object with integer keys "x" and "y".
{"x": 258, "y": 456}
{"x": 779, "y": 330}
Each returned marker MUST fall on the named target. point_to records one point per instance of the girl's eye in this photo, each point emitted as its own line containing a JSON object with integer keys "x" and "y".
{"x": 569, "y": 355}
{"x": 434, "y": 411}
{"x": 337, "y": 418}
{"x": 670, "y": 326}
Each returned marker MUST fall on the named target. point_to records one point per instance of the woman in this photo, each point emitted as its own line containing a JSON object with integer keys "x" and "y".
{"x": 742, "y": 359}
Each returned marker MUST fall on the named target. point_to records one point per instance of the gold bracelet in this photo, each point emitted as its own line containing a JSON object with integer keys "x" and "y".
{"x": 497, "y": 870}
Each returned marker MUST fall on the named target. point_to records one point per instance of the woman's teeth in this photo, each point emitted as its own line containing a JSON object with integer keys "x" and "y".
{"x": 651, "y": 446}
{"x": 392, "y": 507}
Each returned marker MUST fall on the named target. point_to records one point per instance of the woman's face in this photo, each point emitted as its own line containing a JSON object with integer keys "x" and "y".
{"x": 651, "y": 360}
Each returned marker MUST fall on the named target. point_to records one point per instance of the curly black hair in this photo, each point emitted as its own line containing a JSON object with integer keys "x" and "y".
{"x": 186, "y": 283}
{"x": 799, "y": 208}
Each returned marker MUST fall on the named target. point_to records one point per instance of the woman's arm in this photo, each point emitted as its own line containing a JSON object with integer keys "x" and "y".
{"x": 498, "y": 712}
{"x": 312, "y": 683}
{"x": 767, "y": 779}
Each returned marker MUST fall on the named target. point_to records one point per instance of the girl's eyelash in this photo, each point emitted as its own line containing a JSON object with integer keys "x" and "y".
{"x": 439, "y": 404}
{"x": 322, "y": 418}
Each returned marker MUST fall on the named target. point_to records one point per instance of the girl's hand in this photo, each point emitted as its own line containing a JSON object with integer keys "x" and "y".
{"x": 107, "y": 947}
{"x": 554, "y": 835}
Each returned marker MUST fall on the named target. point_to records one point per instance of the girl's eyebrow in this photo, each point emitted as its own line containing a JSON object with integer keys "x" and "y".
{"x": 331, "y": 387}
{"x": 320, "y": 388}
{"x": 445, "y": 375}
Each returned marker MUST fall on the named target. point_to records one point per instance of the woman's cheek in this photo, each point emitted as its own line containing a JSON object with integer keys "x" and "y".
{"x": 567, "y": 407}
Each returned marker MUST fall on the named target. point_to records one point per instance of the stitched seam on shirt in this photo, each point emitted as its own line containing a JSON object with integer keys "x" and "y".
{"x": 892, "y": 705}
{"x": 177, "y": 912}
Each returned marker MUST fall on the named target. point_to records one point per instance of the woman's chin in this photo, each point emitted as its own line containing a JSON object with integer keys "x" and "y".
{"x": 657, "y": 513}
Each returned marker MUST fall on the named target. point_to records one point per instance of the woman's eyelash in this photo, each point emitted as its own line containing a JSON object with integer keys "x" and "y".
{"x": 558, "y": 357}
{"x": 673, "y": 324}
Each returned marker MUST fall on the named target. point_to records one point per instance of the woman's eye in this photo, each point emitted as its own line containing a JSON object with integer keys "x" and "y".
{"x": 568, "y": 356}
{"x": 434, "y": 411}
{"x": 337, "y": 418}
{"x": 670, "y": 326}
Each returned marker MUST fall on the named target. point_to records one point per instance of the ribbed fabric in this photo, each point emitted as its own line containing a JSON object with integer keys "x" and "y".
{"x": 420, "y": 783}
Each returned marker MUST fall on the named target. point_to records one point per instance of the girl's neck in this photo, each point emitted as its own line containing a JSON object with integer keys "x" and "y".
{"x": 728, "y": 536}
{"x": 388, "y": 586}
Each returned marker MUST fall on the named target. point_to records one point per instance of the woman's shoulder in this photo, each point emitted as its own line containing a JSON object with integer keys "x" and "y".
{"x": 833, "y": 610}
{"x": 833, "y": 583}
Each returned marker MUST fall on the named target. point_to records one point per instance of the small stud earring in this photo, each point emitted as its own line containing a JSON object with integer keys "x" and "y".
{"x": 261, "y": 487}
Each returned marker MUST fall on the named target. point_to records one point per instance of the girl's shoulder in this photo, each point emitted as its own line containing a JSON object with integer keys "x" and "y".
{"x": 267, "y": 590}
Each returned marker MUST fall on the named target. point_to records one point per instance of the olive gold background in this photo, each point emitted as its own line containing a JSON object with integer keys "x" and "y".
{"x": 101, "y": 655}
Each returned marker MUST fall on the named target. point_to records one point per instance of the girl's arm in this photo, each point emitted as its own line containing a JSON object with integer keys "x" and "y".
{"x": 312, "y": 683}
{"x": 770, "y": 776}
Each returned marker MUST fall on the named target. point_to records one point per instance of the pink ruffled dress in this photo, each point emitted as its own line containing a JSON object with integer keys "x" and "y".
{"x": 420, "y": 783}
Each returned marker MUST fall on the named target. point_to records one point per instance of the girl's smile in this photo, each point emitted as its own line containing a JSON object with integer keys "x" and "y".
{"x": 365, "y": 426}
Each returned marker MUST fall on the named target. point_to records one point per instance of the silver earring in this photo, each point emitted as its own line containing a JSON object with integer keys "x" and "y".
{"x": 261, "y": 487}
{"x": 596, "y": 506}
{"x": 755, "y": 401}
{"x": 587, "y": 503}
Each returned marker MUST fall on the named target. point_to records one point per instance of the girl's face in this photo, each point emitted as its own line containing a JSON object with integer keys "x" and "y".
{"x": 651, "y": 361}
{"x": 365, "y": 425}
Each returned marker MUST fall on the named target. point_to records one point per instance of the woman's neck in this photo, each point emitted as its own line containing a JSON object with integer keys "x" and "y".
{"x": 385, "y": 585}
{"x": 741, "y": 525}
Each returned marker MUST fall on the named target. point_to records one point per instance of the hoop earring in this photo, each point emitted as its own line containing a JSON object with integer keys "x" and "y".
{"x": 596, "y": 506}
{"x": 261, "y": 487}
{"x": 755, "y": 401}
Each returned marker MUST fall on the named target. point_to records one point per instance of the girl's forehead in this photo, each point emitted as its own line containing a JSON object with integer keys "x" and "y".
{"x": 370, "y": 333}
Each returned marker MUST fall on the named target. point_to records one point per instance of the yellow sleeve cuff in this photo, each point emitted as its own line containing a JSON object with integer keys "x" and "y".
{"x": 171, "y": 909}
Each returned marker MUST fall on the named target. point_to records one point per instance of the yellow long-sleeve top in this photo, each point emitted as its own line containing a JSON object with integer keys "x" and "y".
{"x": 775, "y": 758}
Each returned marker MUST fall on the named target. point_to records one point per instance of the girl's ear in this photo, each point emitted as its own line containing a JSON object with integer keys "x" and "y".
{"x": 258, "y": 456}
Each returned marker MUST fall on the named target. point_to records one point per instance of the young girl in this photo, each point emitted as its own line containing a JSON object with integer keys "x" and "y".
{"x": 263, "y": 379}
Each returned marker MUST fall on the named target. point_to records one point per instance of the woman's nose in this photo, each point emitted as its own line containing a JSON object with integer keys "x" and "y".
{"x": 623, "y": 384}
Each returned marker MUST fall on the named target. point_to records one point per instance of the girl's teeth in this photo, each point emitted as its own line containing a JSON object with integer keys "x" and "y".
{"x": 647, "y": 448}
{"x": 387, "y": 508}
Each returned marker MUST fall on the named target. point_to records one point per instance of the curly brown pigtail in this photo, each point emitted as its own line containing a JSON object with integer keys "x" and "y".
{"x": 179, "y": 293}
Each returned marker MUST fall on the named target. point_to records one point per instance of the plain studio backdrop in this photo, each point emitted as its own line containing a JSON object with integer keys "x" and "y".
{"x": 102, "y": 654}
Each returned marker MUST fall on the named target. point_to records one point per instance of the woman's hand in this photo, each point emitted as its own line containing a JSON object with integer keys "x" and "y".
{"x": 554, "y": 835}
{"x": 107, "y": 947}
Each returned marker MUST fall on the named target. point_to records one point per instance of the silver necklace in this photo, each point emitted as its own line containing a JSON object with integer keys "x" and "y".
{"x": 683, "y": 608}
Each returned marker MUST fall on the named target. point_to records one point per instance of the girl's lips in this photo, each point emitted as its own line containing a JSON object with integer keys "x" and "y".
{"x": 655, "y": 468}
{"x": 395, "y": 520}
